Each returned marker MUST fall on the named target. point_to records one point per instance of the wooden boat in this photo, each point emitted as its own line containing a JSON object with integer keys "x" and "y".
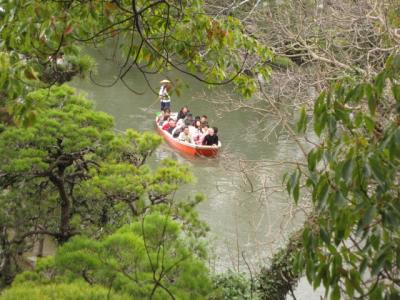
{"x": 187, "y": 148}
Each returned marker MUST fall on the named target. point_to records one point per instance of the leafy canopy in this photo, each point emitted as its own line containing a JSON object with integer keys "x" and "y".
{"x": 150, "y": 258}
{"x": 62, "y": 291}
{"x": 352, "y": 244}
{"x": 70, "y": 173}
{"x": 152, "y": 37}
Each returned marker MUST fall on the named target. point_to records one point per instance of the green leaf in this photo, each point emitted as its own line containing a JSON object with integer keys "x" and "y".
{"x": 320, "y": 122}
{"x": 369, "y": 91}
{"x": 313, "y": 157}
{"x": 380, "y": 83}
{"x": 310, "y": 270}
{"x": 369, "y": 124}
{"x": 376, "y": 169}
{"x": 320, "y": 113}
{"x": 335, "y": 295}
{"x": 312, "y": 160}
{"x": 296, "y": 192}
{"x": 363, "y": 265}
{"x": 324, "y": 235}
{"x": 378, "y": 263}
{"x": 375, "y": 293}
{"x": 341, "y": 113}
{"x": 321, "y": 193}
{"x": 349, "y": 287}
{"x": 347, "y": 170}
{"x": 302, "y": 123}
{"x": 355, "y": 279}
{"x": 332, "y": 125}
{"x": 306, "y": 236}
{"x": 396, "y": 91}
{"x": 358, "y": 119}
{"x": 340, "y": 200}
{"x": 372, "y": 104}
{"x": 355, "y": 94}
{"x": 368, "y": 216}
{"x": 293, "y": 185}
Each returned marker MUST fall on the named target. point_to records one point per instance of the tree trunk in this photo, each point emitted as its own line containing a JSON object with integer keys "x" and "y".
{"x": 6, "y": 269}
{"x": 40, "y": 246}
{"x": 64, "y": 214}
{"x": 64, "y": 230}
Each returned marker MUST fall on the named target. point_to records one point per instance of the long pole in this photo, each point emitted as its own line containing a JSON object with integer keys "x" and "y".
{"x": 146, "y": 109}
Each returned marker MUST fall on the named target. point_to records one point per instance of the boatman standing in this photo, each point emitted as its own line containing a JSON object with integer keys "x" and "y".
{"x": 165, "y": 99}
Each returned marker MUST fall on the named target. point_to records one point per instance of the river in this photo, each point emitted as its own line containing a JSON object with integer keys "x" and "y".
{"x": 246, "y": 227}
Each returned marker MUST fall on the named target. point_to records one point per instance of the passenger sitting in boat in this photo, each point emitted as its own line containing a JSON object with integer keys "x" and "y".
{"x": 204, "y": 125}
{"x": 189, "y": 119}
{"x": 172, "y": 126}
{"x": 204, "y": 130}
{"x": 169, "y": 125}
{"x": 211, "y": 138}
{"x": 178, "y": 128}
{"x": 180, "y": 123}
{"x": 183, "y": 112}
{"x": 204, "y": 119}
{"x": 165, "y": 114}
{"x": 197, "y": 132}
{"x": 185, "y": 136}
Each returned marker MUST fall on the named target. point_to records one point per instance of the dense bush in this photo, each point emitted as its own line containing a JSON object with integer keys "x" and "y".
{"x": 234, "y": 286}
{"x": 70, "y": 291}
{"x": 279, "y": 279}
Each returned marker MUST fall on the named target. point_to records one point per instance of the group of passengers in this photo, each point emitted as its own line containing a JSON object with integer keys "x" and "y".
{"x": 187, "y": 129}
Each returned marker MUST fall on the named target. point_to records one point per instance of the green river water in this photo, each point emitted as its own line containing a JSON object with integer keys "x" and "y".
{"x": 240, "y": 222}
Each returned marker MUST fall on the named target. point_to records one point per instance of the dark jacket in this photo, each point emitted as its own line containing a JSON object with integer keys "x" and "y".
{"x": 170, "y": 129}
{"x": 188, "y": 122}
{"x": 182, "y": 115}
{"x": 177, "y": 132}
{"x": 210, "y": 140}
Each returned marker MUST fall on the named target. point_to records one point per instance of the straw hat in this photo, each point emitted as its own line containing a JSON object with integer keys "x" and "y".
{"x": 165, "y": 81}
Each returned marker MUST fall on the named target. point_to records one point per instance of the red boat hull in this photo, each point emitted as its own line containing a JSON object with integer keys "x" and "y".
{"x": 189, "y": 149}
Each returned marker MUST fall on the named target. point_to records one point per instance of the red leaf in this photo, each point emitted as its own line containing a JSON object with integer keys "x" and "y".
{"x": 68, "y": 30}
